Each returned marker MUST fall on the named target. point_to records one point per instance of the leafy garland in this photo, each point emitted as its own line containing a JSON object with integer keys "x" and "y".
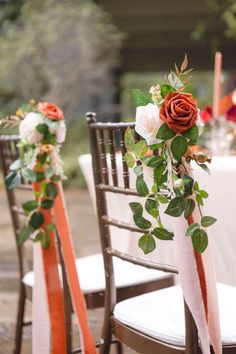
{"x": 173, "y": 183}
{"x": 38, "y": 162}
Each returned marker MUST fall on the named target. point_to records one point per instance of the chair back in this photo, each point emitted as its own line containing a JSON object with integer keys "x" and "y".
{"x": 106, "y": 139}
{"x": 9, "y": 152}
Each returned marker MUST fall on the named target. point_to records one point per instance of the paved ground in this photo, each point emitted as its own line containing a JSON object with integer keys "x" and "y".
{"x": 85, "y": 234}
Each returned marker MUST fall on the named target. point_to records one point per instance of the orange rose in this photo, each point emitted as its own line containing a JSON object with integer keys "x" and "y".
{"x": 179, "y": 111}
{"x": 50, "y": 110}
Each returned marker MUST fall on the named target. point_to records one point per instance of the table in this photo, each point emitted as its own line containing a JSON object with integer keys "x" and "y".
{"x": 221, "y": 204}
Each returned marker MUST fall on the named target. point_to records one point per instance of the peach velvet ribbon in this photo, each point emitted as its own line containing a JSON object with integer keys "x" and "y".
{"x": 51, "y": 281}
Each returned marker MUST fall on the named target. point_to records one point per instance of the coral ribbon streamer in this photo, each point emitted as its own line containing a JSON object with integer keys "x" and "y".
{"x": 77, "y": 296}
{"x": 54, "y": 289}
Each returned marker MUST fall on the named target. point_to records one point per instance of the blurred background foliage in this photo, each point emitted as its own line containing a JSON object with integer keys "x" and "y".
{"x": 67, "y": 52}
{"x": 60, "y": 51}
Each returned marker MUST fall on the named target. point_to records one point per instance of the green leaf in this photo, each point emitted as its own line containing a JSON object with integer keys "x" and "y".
{"x": 208, "y": 221}
{"x": 136, "y": 208}
{"x": 45, "y": 241}
{"x": 49, "y": 172}
{"x": 189, "y": 208}
{"x": 141, "y": 222}
{"x": 138, "y": 170}
{"x": 163, "y": 199}
{"x": 129, "y": 139}
{"x": 178, "y": 147}
{"x": 38, "y": 237}
{"x": 174, "y": 80}
{"x": 50, "y": 227}
{"x": 47, "y": 203}
{"x": 29, "y": 206}
{"x": 192, "y": 134}
{"x": 200, "y": 240}
{"x": 13, "y": 179}
{"x": 40, "y": 176}
{"x": 16, "y": 165}
{"x": 205, "y": 168}
{"x": 151, "y": 207}
{"x": 147, "y": 243}
{"x": 155, "y": 161}
{"x": 165, "y": 89}
{"x": 141, "y": 186}
{"x": 129, "y": 159}
{"x": 196, "y": 186}
{"x": 24, "y": 234}
{"x": 51, "y": 190}
{"x": 156, "y": 146}
{"x": 141, "y": 98}
{"x": 204, "y": 194}
{"x": 140, "y": 149}
{"x": 36, "y": 220}
{"x": 176, "y": 207}
{"x": 199, "y": 199}
{"x": 42, "y": 128}
{"x": 42, "y": 158}
{"x": 191, "y": 229}
{"x": 163, "y": 234}
{"x": 159, "y": 177}
{"x": 29, "y": 175}
{"x": 188, "y": 185}
{"x": 165, "y": 133}
{"x": 55, "y": 178}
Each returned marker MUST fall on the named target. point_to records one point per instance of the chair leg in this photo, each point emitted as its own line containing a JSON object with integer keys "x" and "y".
{"x": 106, "y": 336}
{"x": 119, "y": 348}
{"x": 20, "y": 320}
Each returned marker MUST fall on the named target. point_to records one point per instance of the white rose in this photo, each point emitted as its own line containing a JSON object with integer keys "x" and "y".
{"x": 148, "y": 122}
{"x": 58, "y": 128}
{"x": 61, "y": 132}
{"x": 28, "y": 129}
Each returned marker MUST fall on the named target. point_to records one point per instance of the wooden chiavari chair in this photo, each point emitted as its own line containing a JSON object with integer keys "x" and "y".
{"x": 154, "y": 322}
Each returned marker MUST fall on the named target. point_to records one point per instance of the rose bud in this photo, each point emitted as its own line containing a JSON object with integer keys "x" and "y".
{"x": 201, "y": 157}
{"x": 178, "y": 183}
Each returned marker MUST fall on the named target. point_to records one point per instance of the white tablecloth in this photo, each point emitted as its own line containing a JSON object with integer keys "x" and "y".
{"x": 221, "y": 204}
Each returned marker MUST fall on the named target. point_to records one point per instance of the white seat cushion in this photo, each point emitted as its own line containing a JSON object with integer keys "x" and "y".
{"x": 160, "y": 314}
{"x": 92, "y": 277}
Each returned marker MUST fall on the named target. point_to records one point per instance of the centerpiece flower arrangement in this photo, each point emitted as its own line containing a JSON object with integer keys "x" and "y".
{"x": 219, "y": 133}
{"x": 42, "y": 131}
{"x": 166, "y": 119}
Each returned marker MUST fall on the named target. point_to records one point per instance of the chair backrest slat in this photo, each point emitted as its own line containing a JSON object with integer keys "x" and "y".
{"x": 124, "y": 165}
{"x": 143, "y": 262}
{"x": 9, "y": 152}
{"x": 111, "y": 144}
{"x": 103, "y": 157}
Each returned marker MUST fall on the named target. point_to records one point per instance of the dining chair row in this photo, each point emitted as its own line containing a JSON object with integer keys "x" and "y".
{"x": 131, "y": 280}
{"x": 142, "y": 308}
